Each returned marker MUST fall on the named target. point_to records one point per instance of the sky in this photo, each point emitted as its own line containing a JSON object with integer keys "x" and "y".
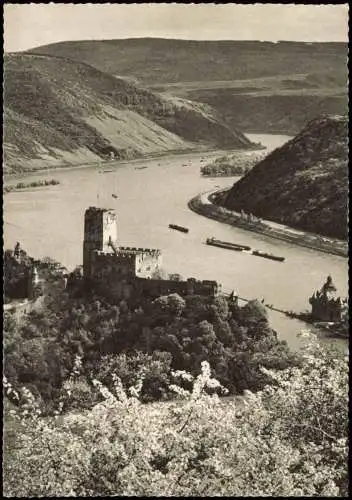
{"x": 31, "y": 25}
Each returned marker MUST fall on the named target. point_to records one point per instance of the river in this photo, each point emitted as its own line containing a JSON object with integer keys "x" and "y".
{"x": 49, "y": 221}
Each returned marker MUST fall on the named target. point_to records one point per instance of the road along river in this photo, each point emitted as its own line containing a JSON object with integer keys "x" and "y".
{"x": 49, "y": 221}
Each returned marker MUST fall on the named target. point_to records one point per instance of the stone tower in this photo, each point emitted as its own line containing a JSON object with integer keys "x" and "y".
{"x": 100, "y": 227}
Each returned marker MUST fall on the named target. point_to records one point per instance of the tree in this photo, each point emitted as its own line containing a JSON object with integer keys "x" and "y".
{"x": 288, "y": 440}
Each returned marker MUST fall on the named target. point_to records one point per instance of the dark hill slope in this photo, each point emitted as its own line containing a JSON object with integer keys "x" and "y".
{"x": 59, "y": 111}
{"x": 302, "y": 184}
{"x": 157, "y": 60}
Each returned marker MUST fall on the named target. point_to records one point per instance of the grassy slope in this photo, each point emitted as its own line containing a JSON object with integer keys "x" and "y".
{"x": 257, "y": 86}
{"x": 304, "y": 183}
{"x": 166, "y": 61}
{"x": 58, "y": 111}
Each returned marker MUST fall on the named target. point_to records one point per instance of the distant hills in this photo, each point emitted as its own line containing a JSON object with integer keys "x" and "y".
{"x": 257, "y": 86}
{"x": 82, "y": 101}
{"x": 58, "y": 111}
{"x": 157, "y": 60}
{"x": 304, "y": 183}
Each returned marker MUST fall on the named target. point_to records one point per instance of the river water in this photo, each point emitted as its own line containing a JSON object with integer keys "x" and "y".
{"x": 49, "y": 221}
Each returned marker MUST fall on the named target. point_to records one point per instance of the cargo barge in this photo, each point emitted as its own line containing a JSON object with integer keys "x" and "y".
{"x": 258, "y": 253}
{"x": 226, "y": 244}
{"x": 179, "y": 228}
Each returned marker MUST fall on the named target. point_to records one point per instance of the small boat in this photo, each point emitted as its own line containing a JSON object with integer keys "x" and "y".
{"x": 226, "y": 244}
{"x": 179, "y": 228}
{"x": 140, "y": 168}
{"x": 114, "y": 196}
{"x": 259, "y": 253}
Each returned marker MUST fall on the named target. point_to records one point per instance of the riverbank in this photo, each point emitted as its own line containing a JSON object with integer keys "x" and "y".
{"x": 165, "y": 155}
{"x": 20, "y": 186}
{"x": 203, "y": 205}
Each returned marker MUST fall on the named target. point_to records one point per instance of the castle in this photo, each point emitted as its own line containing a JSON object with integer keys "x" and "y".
{"x": 126, "y": 271}
{"x": 325, "y": 305}
{"x": 20, "y": 274}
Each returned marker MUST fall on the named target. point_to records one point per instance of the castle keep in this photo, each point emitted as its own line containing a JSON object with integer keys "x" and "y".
{"x": 102, "y": 255}
{"x": 125, "y": 271}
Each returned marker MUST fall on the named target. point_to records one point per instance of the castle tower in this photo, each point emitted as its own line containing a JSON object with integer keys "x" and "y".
{"x": 100, "y": 227}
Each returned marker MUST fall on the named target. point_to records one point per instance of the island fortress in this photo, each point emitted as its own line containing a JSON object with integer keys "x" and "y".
{"x": 126, "y": 271}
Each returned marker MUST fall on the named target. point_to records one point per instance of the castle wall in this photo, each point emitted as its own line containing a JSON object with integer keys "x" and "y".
{"x": 126, "y": 271}
{"x": 112, "y": 284}
{"x": 111, "y": 268}
{"x": 156, "y": 287}
{"x": 148, "y": 262}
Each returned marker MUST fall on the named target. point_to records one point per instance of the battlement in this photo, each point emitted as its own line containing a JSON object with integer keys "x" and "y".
{"x": 102, "y": 254}
{"x": 134, "y": 250}
{"x": 97, "y": 210}
{"x": 128, "y": 252}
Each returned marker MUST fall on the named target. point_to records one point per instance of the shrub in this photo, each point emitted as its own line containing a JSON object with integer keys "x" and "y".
{"x": 288, "y": 440}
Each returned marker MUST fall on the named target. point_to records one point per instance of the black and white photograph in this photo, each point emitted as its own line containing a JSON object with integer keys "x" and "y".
{"x": 175, "y": 250}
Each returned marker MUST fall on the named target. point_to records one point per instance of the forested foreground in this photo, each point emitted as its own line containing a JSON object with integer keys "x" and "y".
{"x": 288, "y": 440}
{"x": 128, "y": 399}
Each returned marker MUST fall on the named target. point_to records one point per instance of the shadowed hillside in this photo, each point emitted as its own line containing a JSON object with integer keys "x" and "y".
{"x": 302, "y": 184}
{"x": 257, "y": 86}
{"x": 272, "y": 111}
{"x": 61, "y": 112}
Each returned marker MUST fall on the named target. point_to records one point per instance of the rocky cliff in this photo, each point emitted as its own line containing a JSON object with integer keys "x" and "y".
{"x": 304, "y": 183}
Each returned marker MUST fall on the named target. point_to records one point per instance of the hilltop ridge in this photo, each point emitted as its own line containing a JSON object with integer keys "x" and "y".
{"x": 162, "y": 60}
{"x": 304, "y": 183}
